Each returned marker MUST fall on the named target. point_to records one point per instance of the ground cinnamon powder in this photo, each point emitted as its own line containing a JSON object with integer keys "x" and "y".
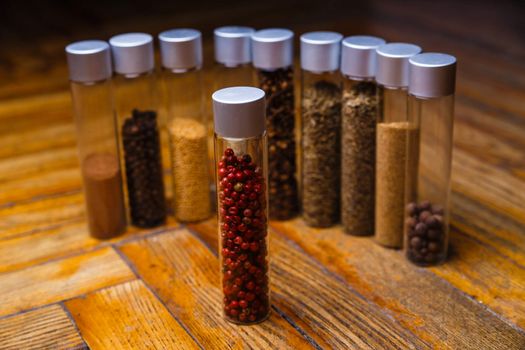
{"x": 103, "y": 194}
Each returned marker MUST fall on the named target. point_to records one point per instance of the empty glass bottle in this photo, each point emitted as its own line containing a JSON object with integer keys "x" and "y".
{"x": 242, "y": 202}
{"x": 139, "y": 127}
{"x": 90, "y": 79}
{"x": 273, "y": 61}
{"x": 393, "y": 130}
{"x": 181, "y": 53}
{"x": 321, "y": 127}
{"x": 429, "y": 158}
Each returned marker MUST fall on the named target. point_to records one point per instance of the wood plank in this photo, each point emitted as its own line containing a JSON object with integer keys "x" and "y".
{"x": 422, "y": 302}
{"x": 45, "y": 328}
{"x": 335, "y": 315}
{"x": 184, "y": 273}
{"x": 43, "y": 214}
{"x": 62, "y": 279}
{"x": 127, "y": 316}
{"x": 59, "y": 242}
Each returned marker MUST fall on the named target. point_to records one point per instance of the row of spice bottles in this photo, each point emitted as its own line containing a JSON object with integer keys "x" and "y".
{"x": 339, "y": 145}
{"x": 377, "y": 141}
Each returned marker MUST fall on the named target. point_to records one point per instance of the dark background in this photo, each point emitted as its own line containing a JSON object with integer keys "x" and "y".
{"x": 33, "y": 33}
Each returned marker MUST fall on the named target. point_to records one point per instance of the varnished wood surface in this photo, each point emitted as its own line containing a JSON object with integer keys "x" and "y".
{"x": 159, "y": 288}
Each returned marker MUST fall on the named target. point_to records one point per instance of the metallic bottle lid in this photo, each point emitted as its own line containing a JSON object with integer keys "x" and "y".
{"x": 358, "y": 56}
{"x": 181, "y": 48}
{"x": 233, "y": 45}
{"x": 132, "y": 53}
{"x": 432, "y": 75}
{"x": 320, "y": 51}
{"x": 239, "y": 112}
{"x": 272, "y": 48}
{"x": 88, "y": 61}
{"x": 392, "y": 63}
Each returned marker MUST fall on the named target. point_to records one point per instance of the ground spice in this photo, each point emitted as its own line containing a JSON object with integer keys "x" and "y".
{"x": 142, "y": 158}
{"x": 103, "y": 194}
{"x": 191, "y": 196}
{"x": 243, "y": 235}
{"x": 321, "y": 116}
{"x": 358, "y": 157}
{"x": 426, "y": 243}
{"x": 280, "y": 126}
{"x": 390, "y": 181}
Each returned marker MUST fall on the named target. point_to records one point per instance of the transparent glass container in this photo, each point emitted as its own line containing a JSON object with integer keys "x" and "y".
{"x": 429, "y": 156}
{"x": 241, "y": 74}
{"x": 321, "y": 147}
{"x": 141, "y": 129}
{"x": 358, "y": 133}
{"x": 188, "y": 138}
{"x": 393, "y": 129}
{"x": 99, "y": 158}
{"x": 278, "y": 85}
{"x": 242, "y": 203}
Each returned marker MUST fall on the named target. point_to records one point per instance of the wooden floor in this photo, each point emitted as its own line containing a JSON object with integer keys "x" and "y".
{"x": 61, "y": 289}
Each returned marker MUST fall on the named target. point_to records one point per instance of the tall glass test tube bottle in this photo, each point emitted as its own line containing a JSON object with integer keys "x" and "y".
{"x": 358, "y": 129}
{"x": 431, "y": 109}
{"x": 273, "y": 61}
{"x": 90, "y": 79}
{"x": 242, "y": 202}
{"x": 321, "y": 127}
{"x": 393, "y": 131}
{"x": 181, "y": 54}
{"x": 139, "y": 127}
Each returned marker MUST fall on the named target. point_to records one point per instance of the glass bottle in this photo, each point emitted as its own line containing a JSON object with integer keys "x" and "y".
{"x": 181, "y": 55}
{"x": 233, "y": 56}
{"x": 242, "y": 202}
{"x": 273, "y": 61}
{"x": 431, "y": 110}
{"x": 90, "y": 79}
{"x": 321, "y": 127}
{"x": 140, "y": 127}
{"x": 393, "y": 130}
{"x": 358, "y": 129}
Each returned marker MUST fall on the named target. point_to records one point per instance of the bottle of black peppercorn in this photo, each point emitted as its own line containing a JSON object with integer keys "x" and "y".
{"x": 273, "y": 60}
{"x": 141, "y": 131}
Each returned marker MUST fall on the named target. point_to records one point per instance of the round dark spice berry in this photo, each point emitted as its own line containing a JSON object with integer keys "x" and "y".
{"x": 426, "y": 237}
{"x": 143, "y": 165}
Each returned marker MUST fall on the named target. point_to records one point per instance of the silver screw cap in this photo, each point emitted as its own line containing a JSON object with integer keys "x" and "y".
{"x": 358, "y": 56}
{"x": 392, "y": 63}
{"x": 181, "y": 48}
{"x": 233, "y": 45}
{"x": 272, "y": 48}
{"x": 432, "y": 75}
{"x": 88, "y": 61}
{"x": 132, "y": 53}
{"x": 239, "y": 112}
{"x": 320, "y": 51}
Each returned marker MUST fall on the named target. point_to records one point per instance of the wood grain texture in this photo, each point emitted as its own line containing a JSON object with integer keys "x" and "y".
{"x": 335, "y": 316}
{"x": 127, "y": 316}
{"x": 418, "y": 299}
{"x": 184, "y": 273}
{"x": 45, "y": 328}
{"x": 61, "y": 279}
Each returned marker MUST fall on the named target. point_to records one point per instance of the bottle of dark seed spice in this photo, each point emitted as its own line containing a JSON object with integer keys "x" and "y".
{"x": 393, "y": 131}
{"x": 139, "y": 127}
{"x": 321, "y": 126}
{"x": 273, "y": 61}
{"x": 242, "y": 202}
{"x": 181, "y": 53}
{"x": 432, "y": 79}
{"x": 359, "y": 111}
{"x": 90, "y": 79}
